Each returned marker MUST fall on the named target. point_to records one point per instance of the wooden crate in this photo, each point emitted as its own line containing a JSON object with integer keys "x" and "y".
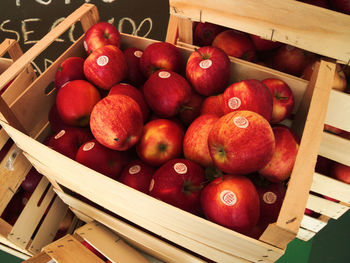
{"x": 297, "y": 24}
{"x": 70, "y": 249}
{"x": 30, "y": 232}
{"x": 187, "y": 231}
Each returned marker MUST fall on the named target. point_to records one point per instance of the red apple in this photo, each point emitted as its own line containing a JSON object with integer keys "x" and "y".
{"x": 280, "y": 167}
{"x": 231, "y": 201}
{"x": 13, "y": 209}
{"x": 323, "y": 165}
{"x": 105, "y": 67}
{"x": 31, "y": 180}
{"x": 101, "y": 34}
{"x": 68, "y": 141}
{"x": 166, "y": 92}
{"x": 137, "y": 174}
{"x": 191, "y": 109}
{"x": 249, "y": 94}
{"x": 93, "y": 250}
{"x": 213, "y": 105}
{"x": 340, "y": 172}
{"x": 116, "y": 122}
{"x": 262, "y": 44}
{"x": 64, "y": 225}
{"x": 283, "y": 99}
{"x": 134, "y": 75}
{"x": 55, "y": 119}
{"x": 271, "y": 198}
{"x": 135, "y": 94}
{"x": 100, "y": 158}
{"x": 332, "y": 129}
{"x": 161, "y": 141}
{"x": 195, "y": 145}
{"x": 289, "y": 59}
{"x": 331, "y": 199}
{"x": 311, "y": 213}
{"x": 208, "y": 70}
{"x": 236, "y": 44}
{"x": 205, "y": 32}
{"x": 241, "y": 142}
{"x": 70, "y": 69}
{"x": 75, "y": 101}
{"x": 179, "y": 182}
{"x": 339, "y": 82}
{"x": 160, "y": 55}
{"x": 341, "y": 6}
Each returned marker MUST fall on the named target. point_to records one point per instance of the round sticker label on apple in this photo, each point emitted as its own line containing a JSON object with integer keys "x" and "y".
{"x": 102, "y": 60}
{"x": 85, "y": 46}
{"x": 234, "y": 103}
{"x": 204, "y": 64}
{"x": 269, "y": 198}
{"x": 151, "y": 185}
{"x": 134, "y": 169}
{"x": 60, "y": 134}
{"x": 138, "y": 53}
{"x": 228, "y": 197}
{"x": 164, "y": 74}
{"x": 88, "y": 146}
{"x": 180, "y": 168}
{"x": 241, "y": 122}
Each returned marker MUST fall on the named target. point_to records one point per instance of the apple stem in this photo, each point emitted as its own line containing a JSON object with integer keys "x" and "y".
{"x": 185, "y": 107}
{"x": 203, "y": 57}
{"x": 189, "y": 188}
{"x": 280, "y": 97}
{"x": 116, "y": 139}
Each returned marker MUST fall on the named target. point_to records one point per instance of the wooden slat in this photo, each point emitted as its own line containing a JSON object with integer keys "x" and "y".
{"x": 3, "y": 137}
{"x": 339, "y": 110}
{"x": 31, "y": 215}
{"x": 330, "y": 187}
{"x": 68, "y": 249}
{"x": 172, "y": 32}
{"x": 287, "y": 21}
{"x": 185, "y": 30}
{"x": 335, "y": 148}
{"x": 7, "y": 45}
{"x": 13, "y": 169}
{"x": 312, "y": 111}
{"x": 312, "y": 224}
{"x": 5, "y": 63}
{"x": 5, "y": 230}
{"x": 132, "y": 235}
{"x": 109, "y": 244}
{"x": 49, "y": 226}
{"x": 40, "y": 258}
{"x": 305, "y": 234}
{"x": 326, "y": 207}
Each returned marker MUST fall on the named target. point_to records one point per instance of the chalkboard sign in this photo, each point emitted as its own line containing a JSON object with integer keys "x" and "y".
{"x": 28, "y": 21}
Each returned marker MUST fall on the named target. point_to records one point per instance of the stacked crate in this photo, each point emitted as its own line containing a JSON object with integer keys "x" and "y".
{"x": 162, "y": 230}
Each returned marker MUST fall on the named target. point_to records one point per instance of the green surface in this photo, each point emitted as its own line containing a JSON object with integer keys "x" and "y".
{"x": 330, "y": 245}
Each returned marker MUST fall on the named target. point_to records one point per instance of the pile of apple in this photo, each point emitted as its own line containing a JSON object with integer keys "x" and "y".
{"x": 177, "y": 130}
{"x": 273, "y": 54}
